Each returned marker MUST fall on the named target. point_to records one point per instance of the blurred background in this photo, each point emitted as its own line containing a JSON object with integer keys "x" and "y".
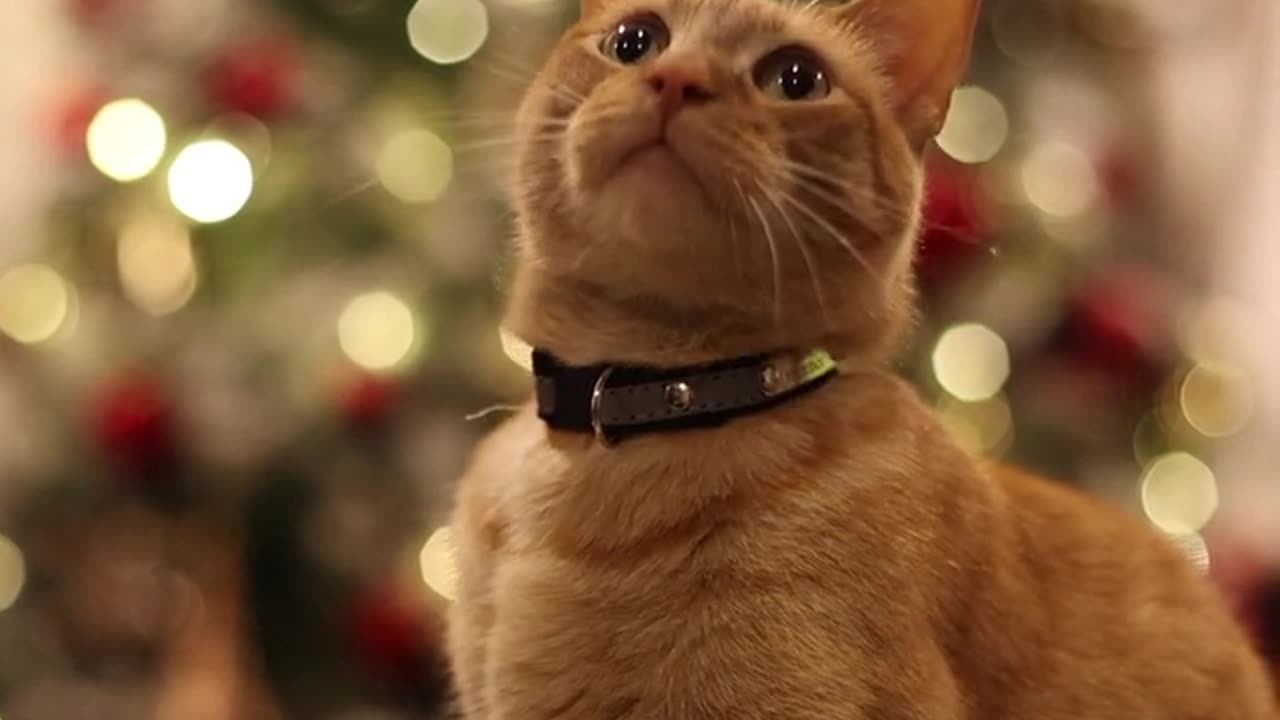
{"x": 252, "y": 256}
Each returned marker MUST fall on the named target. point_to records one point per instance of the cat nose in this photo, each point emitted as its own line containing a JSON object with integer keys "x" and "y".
{"x": 680, "y": 82}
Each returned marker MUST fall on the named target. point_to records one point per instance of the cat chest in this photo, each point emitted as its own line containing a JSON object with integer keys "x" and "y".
{"x": 580, "y": 643}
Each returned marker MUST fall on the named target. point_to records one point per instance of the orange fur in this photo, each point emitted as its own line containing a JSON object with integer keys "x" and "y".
{"x": 836, "y": 557}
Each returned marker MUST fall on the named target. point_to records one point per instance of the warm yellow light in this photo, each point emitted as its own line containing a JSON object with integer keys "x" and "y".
{"x": 976, "y": 128}
{"x": 1216, "y": 401}
{"x": 378, "y": 331}
{"x": 517, "y": 350}
{"x": 448, "y": 31}
{"x": 157, "y": 268}
{"x": 126, "y": 140}
{"x": 1179, "y": 493}
{"x": 1059, "y": 179}
{"x": 971, "y": 362}
{"x": 438, "y": 566}
{"x": 982, "y": 428}
{"x": 210, "y": 181}
{"x": 35, "y": 302}
{"x": 13, "y": 573}
{"x": 416, "y": 166}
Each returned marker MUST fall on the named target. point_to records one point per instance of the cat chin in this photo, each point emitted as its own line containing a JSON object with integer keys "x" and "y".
{"x": 652, "y": 193}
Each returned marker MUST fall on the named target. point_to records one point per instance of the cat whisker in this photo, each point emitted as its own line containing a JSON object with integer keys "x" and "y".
{"x": 346, "y": 195}
{"x": 825, "y": 225}
{"x": 505, "y": 142}
{"x": 774, "y": 260}
{"x": 816, "y": 175}
{"x": 805, "y": 253}
{"x": 836, "y": 204}
{"x": 560, "y": 91}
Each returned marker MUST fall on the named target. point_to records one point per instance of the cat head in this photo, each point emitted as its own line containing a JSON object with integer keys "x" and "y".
{"x": 750, "y": 169}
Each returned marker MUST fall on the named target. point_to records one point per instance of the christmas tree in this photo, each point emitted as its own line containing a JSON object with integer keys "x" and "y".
{"x": 237, "y": 365}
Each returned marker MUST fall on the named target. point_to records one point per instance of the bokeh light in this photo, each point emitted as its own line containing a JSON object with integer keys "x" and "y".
{"x": 1179, "y": 493}
{"x": 1060, "y": 179}
{"x": 971, "y": 362}
{"x": 1150, "y": 439}
{"x": 126, "y": 140}
{"x": 1215, "y": 400}
{"x": 13, "y": 573}
{"x": 448, "y": 31}
{"x": 378, "y": 331}
{"x": 35, "y": 303}
{"x": 157, "y": 268}
{"x": 437, "y": 564}
{"x": 976, "y": 128}
{"x": 210, "y": 181}
{"x": 982, "y": 428}
{"x": 416, "y": 166}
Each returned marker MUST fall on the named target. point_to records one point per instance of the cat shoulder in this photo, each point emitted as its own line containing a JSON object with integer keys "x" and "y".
{"x": 481, "y": 498}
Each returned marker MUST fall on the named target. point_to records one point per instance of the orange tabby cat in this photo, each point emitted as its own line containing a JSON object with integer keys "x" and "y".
{"x": 702, "y": 180}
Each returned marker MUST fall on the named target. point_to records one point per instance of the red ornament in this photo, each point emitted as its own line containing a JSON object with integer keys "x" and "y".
{"x": 134, "y": 425}
{"x": 257, "y": 78}
{"x": 1121, "y": 178}
{"x": 368, "y": 401}
{"x": 69, "y": 118}
{"x": 389, "y": 634}
{"x": 956, "y": 223}
{"x": 1113, "y": 323}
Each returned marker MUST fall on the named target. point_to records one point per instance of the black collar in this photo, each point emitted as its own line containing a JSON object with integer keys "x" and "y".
{"x": 615, "y": 402}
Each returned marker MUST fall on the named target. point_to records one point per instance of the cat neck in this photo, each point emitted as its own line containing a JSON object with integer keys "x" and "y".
{"x": 586, "y": 324}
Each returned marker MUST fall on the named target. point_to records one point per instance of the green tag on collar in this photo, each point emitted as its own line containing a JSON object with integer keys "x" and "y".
{"x": 816, "y": 364}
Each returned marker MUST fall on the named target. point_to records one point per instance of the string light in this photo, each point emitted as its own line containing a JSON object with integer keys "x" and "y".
{"x": 976, "y": 127}
{"x": 971, "y": 362}
{"x": 1215, "y": 400}
{"x": 416, "y": 166}
{"x": 1059, "y": 179}
{"x": 35, "y": 303}
{"x": 378, "y": 331}
{"x": 157, "y": 268}
{"x": 1149, "y": 440}
{"x": 126, "y": 140}
{"x": 1179, "y": 493}
{"x": 210, "y": 181}
{"x": 448, "y": 31}
{"x": 982, "y": 428}
{"x": 437, "y": 564}
{"x": 13, "y": 573}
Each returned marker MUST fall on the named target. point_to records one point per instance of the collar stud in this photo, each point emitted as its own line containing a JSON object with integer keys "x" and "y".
{"x": 679, "y": 396}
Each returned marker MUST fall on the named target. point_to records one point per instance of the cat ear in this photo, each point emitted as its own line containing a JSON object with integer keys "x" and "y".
{"x": 925, "y": 46}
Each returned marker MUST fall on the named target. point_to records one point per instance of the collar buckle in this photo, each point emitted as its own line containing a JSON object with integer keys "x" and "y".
{"x": 597, "y": 399}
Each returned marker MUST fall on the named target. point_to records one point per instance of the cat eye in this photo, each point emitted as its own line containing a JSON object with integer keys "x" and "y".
{"x": 635, "y": 39}
{"x": 792, "y": 74}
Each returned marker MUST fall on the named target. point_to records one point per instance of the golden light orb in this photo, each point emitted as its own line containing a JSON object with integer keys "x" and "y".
{"x": 126, "y": 140}
{"x": 437, "y": 563}
{"x": 378, "y": 331}
{"x": 971, "y": 362}
{"x": 210, "y": 181}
